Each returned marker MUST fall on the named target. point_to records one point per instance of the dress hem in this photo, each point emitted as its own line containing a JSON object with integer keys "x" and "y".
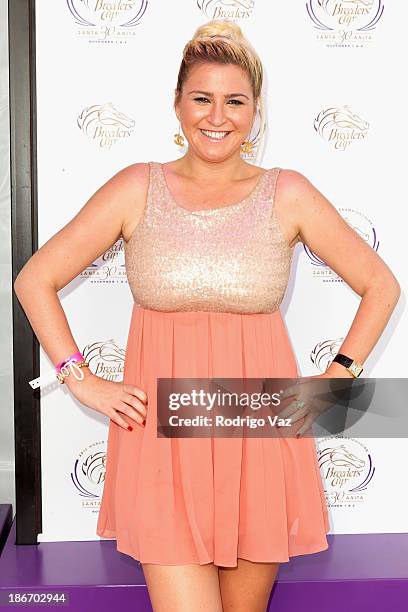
{"x": 127, "y": 551}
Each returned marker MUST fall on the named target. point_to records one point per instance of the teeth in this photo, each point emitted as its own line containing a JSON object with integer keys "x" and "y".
{"x": 215, "y": 135}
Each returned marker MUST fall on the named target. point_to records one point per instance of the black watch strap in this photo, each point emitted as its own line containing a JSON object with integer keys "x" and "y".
{"x": 343, "y": 359}
{"x": 352, "y": 366}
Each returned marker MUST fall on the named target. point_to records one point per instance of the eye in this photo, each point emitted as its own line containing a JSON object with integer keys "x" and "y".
{"x": 204, "y": 99}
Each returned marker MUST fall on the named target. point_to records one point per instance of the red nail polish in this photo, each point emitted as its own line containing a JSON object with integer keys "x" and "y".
{"x": 144, "y": 422}
{"x": 130, "y": 428}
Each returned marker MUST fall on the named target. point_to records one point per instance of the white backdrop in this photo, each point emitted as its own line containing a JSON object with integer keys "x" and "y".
{"x": 334, "y": 97}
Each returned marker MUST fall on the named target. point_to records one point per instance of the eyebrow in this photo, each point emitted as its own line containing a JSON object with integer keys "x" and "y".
{"x": 209, "y": 94}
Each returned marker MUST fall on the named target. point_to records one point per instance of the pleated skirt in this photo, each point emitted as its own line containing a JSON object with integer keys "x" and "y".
{"x": 176, "y": 501}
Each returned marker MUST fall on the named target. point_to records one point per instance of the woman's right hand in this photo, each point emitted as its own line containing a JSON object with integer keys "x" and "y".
{"x": 109, "y": 398}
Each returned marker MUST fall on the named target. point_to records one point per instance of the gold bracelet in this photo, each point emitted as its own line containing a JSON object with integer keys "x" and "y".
{"x": 61, "y": 375}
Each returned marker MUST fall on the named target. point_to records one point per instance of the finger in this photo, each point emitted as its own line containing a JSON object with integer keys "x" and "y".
{"x": 134, "y": 403}
{"x": 133, "y": 390}
{"x": 292, "y": 389}
{"x": 116, "y": 418}
{"x": 300, "y": 414}
{"x": 131, "y": 413}
{"x": 305, "y": 427}
{"x": 288, "y": 392}
{"x": 290, "y": 409}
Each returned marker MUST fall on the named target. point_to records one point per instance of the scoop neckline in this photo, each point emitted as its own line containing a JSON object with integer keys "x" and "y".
{"x": 205, "y": 211}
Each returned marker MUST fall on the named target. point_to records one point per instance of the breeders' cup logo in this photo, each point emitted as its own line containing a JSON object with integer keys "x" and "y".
{"x": 106, "y": 359}
{"x": 361, "y": 224}
{"x": 345, "y": 23}
{"x": 226, "y": 9}
{"x": 346, "y": 468}
{"x": 88, "y": 474}
{"x": 99, "y": 20}
{"x": 324, "y": 352}
{"x": 105, "y": 124}
{"x": 340, "y": 126}
{"x": 109, "y": 268}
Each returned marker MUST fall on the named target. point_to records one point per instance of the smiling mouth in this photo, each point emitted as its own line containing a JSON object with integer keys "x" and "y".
{"x": 213, "y": 135}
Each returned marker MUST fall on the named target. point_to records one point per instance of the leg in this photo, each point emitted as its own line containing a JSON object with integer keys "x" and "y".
{"x": 247, "y": 587}
{"x": 182, "y": 588}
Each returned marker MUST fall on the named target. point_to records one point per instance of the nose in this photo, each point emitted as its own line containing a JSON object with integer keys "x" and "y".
{"x": 217, "y": 113}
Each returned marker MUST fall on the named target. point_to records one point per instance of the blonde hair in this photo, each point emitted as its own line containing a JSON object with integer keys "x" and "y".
{"x": 223, "y": 42}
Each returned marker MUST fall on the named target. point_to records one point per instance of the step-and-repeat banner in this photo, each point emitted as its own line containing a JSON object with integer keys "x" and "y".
{"x": 334, "y": 95}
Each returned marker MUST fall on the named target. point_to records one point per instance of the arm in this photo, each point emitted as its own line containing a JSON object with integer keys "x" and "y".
{"x": 311, "y": 216}
{"x": 96, "y": 227}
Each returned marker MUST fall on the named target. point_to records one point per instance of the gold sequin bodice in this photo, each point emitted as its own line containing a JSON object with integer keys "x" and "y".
{"x": 228, "y": 259}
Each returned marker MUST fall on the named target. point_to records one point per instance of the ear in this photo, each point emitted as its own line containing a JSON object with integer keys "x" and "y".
{"x": 176, "y": 105}
{"x": 256, "y": 107}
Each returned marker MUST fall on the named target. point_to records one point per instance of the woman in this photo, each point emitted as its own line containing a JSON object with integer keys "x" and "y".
{"x": 208, "y": 244}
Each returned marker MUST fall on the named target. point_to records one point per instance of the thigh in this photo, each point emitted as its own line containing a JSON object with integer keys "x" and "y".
{"x": 247, "y": 587}
{"x": 182, "y": 588}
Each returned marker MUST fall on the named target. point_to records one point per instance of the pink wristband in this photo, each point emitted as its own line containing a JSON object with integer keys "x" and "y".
{"x": 75, "y": 357}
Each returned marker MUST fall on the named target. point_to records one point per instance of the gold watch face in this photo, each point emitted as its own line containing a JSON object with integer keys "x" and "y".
{"x": 355, "y": 369}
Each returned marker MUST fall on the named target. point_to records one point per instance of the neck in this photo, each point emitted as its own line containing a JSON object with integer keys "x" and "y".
{"x": 204, "y": 171}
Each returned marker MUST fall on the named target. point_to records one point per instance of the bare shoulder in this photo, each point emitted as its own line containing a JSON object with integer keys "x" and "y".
{"x": 297, "y": 200}
{"x": 130, "y": 185}
{"x": 133, "y": 172}
{"x": 328, "y": 235}
{"x": 291, "y": 186}
{"x": 98, "y": 224}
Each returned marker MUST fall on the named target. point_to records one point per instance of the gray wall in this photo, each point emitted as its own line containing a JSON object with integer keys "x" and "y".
{"x": 7, "y": 491}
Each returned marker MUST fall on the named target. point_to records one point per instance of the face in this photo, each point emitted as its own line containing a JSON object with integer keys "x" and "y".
{"x": 216, "y": 110}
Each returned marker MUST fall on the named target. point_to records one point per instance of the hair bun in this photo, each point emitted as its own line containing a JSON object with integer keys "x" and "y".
{"x": 219, "y": 27}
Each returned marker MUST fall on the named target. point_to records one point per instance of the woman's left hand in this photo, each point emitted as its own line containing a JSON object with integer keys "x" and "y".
{"x": 306, "y": 404}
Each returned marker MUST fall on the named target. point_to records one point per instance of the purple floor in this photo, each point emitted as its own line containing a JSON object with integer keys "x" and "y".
{"x": 356, "y": 573}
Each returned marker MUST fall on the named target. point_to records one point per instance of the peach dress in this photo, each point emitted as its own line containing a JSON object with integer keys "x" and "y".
{"x": 207, "y": 285}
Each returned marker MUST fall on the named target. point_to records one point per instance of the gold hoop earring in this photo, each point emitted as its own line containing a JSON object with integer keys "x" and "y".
{"x": 179, "y": 138}
{"x": 247, "y": 146}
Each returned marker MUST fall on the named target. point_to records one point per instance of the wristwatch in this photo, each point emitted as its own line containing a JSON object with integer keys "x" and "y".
{"x": 352, "y": 366}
